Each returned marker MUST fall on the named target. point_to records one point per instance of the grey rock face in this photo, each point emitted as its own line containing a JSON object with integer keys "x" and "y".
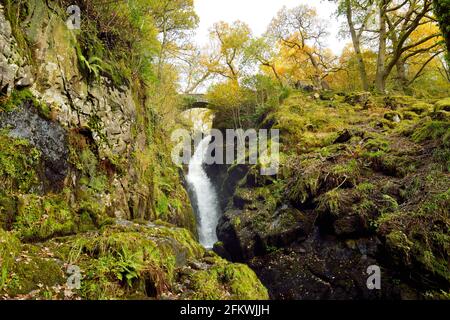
{"x": 13, "y": 68}
{"x": 48, "y": 137}
{"x": 106, "y": 112}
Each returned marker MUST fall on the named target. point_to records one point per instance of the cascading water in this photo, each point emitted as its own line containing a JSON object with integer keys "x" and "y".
{"x": 202, "y": 189}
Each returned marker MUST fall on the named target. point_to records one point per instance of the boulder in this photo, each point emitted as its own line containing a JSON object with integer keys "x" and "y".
{"x": 360, "y": 98}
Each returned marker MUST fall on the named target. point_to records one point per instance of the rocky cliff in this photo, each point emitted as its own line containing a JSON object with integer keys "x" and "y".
{"x": 81, "y": 185}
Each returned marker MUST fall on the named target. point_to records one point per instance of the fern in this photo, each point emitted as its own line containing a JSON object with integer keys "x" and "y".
{"x": 93, "y": 66}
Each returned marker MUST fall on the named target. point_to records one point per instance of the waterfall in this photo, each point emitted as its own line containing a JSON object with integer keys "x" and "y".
{"x": 202, "y": 191}
{"x": 205, "y": 195}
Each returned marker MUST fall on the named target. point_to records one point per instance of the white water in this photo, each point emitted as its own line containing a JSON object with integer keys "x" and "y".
{"x": 204, "y": 192}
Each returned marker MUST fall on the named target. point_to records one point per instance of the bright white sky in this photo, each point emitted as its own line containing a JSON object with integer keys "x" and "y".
{"x": 258, "y": 14}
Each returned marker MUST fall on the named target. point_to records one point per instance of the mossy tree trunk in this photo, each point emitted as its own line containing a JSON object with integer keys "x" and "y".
{"x": 442, "y": 11}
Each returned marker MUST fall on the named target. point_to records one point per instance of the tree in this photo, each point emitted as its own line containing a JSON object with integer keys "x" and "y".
{"x": 195, "y": 68}
{"x": 358, "y": 16}
{"x": 174, "y": 20}
{"x": 398, "y": 19}
{"x": 300, "y": 29}
{"x": 348, "y": 77}
{"x": 229, "y": 98}
{"x": 228, "y": 52}
{"x": 442, "y": 11}
{"x": 263, "y": 51}
{"x": 419, "y": 57}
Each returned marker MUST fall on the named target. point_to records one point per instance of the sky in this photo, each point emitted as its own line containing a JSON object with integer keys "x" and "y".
{"x": 258, "y": 14}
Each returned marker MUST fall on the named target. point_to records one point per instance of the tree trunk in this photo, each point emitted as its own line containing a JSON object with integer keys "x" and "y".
{"x": 401, "y": 74}
{"x": 380, "y": 81}
{"x": 357, "y": 47}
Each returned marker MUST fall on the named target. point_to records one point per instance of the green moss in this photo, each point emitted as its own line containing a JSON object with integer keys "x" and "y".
{"x": 19, "y": 97}
{"x": 365, "y": 187}
{"x": 305, "y": 124}
{"x": 237, "y": 222}
{"x": 376, "y": 145}
{"x": 40, "y": 218}
{"x": 18, "y": 164}
{"x": 442, "y": 105}
{"x": 420, "y": 108}
{"x": 96, "y": 126}
{"x": 124, "y": 259}
{"x": 8, "y": 209}
{"x": 304, "y": 186}
{"x": 393, "y": 116}
{"x": 418, "y": 237}
{"x": 34, "y": 271}
{"x": 397, "y": 102}
{"x": 390, "y": 204}
{"x": 331, "y": 202}
{"x": 409, "y": 115}
{"x": 227, "y": 281}
{"x": 432, "y": 130}
{"x": 400, "y": 246}
{"x": 9, "y": 249}
{"x": 349, "y": 171}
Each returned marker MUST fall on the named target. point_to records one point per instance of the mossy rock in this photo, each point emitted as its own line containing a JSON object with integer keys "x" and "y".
{"x": 361, "y": 98}
{"x": 443, "y": 104}
{"x": 127, "y": 258}
{"x": 393, "y": 116}
{"x": 420, "y": 108}
{"x": 432, "y": 130}
{"x": 399, "y": 102}
{"x": 19, "y": 165}
{"x": 9, "y": 248}
{"x": 286, "y": 226}
{"x": 32, "y": 272}
{"x": 409, "y": 115}
{"x": 399, "y": 246}
{"x": 224, "y": 281}
{"x": 17, "y": 98}
{"x": 417, "y": 236}
{"x": 8, "y": 210}
{"x": 40, "y": 218}
{"x": 441, "y": 115}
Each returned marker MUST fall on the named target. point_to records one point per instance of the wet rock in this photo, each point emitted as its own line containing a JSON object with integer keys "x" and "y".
{"x": 234, "y": 176}
{"x": 289, "y": 225}
{"x": 226, "y": 233}
{"x": 219, "y": 248}
{"x": 350, "y": 225}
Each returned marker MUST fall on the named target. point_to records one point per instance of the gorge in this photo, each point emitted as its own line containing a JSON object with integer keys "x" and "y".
{"x": 87, "y": 178}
